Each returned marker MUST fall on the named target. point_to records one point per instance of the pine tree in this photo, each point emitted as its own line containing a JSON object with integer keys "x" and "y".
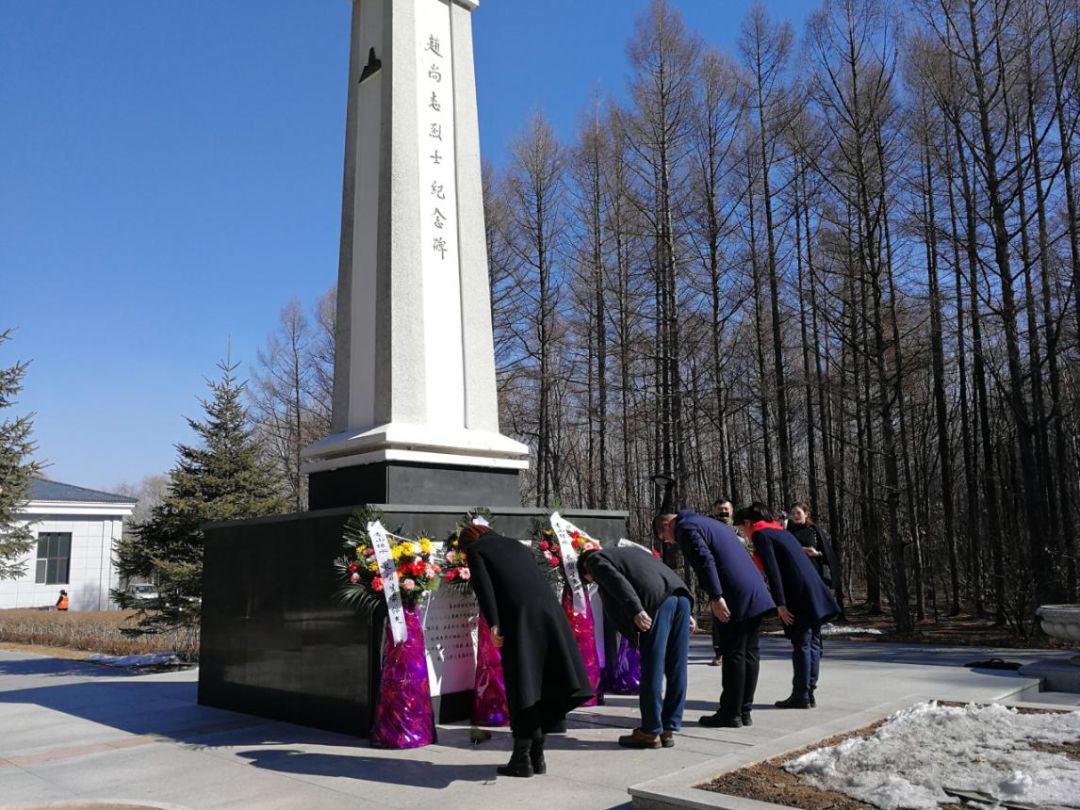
{"x": 16, "y": 473}
{"x": 228, "y": 477}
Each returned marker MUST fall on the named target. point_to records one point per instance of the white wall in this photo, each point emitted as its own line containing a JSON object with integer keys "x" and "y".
{"x": 91, "y": 573}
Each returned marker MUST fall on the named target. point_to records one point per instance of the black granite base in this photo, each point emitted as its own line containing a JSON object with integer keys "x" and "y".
{"x": 276, "y": 642}
{"x": 398, "y": 482}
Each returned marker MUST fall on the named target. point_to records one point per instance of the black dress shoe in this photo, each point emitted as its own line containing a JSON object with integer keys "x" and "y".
{"x": 793, "y": 702}
{"x": 718, "y": 720}
{"x": 747, "y": 720}
{"x": 813, "y": 701}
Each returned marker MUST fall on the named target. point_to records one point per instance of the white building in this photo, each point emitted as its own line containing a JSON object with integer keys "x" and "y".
{"x": 77, "y": 530}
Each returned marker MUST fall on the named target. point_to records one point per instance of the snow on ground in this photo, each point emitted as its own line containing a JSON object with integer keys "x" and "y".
{"x": 147, "y": 660}
{"x": 837, "y": 630}
{"x": 844, "y": 630}
{"x": 905, "y": 763}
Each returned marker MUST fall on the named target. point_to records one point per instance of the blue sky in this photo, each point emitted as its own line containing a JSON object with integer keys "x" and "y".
{"x": 170, "y": 175}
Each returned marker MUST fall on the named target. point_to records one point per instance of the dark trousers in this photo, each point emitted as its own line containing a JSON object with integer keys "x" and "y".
{"x": 664, "y": 651}
{"x": 537, "y": 718}
{"x": 739, "y": 646}
{"x": 805, "y": 657}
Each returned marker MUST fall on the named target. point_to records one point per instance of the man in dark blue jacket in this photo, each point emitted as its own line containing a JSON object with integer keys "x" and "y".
{"x": 740, "y": 601}
{"x": 802, "y": 599}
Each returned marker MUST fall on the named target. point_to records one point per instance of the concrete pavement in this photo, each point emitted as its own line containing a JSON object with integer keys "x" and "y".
{"x": 74, "y": 731}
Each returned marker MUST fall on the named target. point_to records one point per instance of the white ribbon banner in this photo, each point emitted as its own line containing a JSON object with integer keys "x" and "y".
{"x": 624, "y": 543}
{"x": 562, "y": 529}
{"x": 388, "y": 571}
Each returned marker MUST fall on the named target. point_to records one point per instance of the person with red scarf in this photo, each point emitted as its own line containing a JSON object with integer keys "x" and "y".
{"x": 803, "y": 601}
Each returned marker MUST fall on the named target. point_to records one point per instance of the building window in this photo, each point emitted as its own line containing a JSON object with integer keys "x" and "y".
{"x": 53, "y": 558}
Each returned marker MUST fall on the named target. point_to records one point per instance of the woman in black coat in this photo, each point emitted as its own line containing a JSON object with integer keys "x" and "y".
{"x": 817, "y": 544}
{"x": 545, "y": 677}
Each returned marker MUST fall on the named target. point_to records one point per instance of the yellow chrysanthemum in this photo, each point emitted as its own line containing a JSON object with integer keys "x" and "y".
{"x": 373, "y": 567}
{"x": 396, "y": 553}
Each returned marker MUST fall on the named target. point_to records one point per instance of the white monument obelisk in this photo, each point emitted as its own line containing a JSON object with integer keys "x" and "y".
{"x": 414, "y": 382}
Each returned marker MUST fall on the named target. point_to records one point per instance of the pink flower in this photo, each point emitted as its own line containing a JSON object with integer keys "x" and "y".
{"x": 431, "y": 571}
{"x": 369, "y": 552}
{"x": 554, "y": 562}
{"x": 543, "y": 545}
{"x": 464, "y": 574}
{"x": 354, "y": 578}
{"x": 450, "y": 557}
{"x": 451, "y": 574}
{"x": 547, "y": 555}
{"x": 409, "y": 585}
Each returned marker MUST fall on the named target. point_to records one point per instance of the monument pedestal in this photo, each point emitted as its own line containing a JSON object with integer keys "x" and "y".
{"x": 277, "y": 642}
{"x": 399, "y": 482}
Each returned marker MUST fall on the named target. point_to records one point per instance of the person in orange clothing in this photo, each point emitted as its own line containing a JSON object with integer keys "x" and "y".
{"x": 62, "y": 602}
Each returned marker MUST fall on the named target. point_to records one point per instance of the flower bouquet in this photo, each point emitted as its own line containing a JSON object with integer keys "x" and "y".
{"x": 401, "y": 579}
{"x": 489, "y": 693}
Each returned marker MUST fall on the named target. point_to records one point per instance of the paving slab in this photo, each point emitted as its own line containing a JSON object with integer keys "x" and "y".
{"x": 74, "y": 731}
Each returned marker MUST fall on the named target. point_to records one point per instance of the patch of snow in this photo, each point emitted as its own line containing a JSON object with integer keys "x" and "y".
{"x": 837, "y": 630}
{"x": 844, "y": 630}
{"x": 917, "y": 751}
{"x": 148, "y": 660}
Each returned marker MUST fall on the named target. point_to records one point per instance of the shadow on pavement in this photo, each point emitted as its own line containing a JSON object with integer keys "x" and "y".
{"x": 414, "y": 773}
{"x": 60, "y": 666}
{"x": 170, "y": 709}
{"x": 167, "y": 709}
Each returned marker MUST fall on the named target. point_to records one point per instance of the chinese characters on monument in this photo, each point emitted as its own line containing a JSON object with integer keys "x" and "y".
{"x": 436, "y": 127}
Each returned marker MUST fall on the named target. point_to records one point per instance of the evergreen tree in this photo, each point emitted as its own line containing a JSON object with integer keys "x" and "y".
{"x": 226, "y": 478}
{"x": 16, "y": 473}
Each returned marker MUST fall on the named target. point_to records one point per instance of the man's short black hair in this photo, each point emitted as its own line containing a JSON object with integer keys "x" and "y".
{"x": 721, "y": 500}
{"x": 754, "y": 513}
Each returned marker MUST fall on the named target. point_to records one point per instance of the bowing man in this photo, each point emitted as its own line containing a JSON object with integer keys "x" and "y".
{"x": 802, "y": 599}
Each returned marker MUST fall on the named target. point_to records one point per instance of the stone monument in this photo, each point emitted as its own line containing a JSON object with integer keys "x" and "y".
{"x": 415, "y": 414}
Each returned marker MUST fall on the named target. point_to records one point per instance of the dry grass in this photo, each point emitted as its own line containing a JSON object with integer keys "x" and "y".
{"x": 91, "y": 631}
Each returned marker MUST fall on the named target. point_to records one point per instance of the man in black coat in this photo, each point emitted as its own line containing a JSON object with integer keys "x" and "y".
{"x": 545, "y": 677}
{"x": 802, "y": 598}
{"x": 740, "y": 601}
{"x": 651, "y": 606}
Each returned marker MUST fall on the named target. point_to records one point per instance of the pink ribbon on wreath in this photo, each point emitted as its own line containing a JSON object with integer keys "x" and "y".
{"x": 403, "y": 714}
{"x": 489, "y": 698}
{"x": 585, "y": 634}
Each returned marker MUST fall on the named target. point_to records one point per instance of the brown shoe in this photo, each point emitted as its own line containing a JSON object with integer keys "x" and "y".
{"x": 640, "y": 739}
{"x": 667, "y": 739}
